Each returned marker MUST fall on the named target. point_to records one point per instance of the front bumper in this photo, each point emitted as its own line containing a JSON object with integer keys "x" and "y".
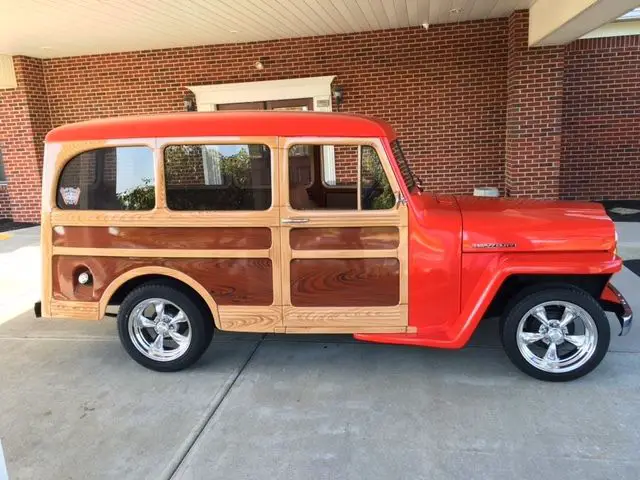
{"x": 613, "y": 301}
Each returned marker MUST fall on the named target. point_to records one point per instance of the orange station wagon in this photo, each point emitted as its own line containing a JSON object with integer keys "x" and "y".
{"x": 302, "y": 222}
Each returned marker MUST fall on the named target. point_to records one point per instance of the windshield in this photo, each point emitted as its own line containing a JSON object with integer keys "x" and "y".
{"x": 409, "y": 177}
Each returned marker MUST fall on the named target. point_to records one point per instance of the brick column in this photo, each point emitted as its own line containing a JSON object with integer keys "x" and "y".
{"x": 24, "y": 122}
{"x": 534, "y": 114}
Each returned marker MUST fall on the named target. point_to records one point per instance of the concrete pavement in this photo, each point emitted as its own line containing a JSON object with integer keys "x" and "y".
{"x": 73, "y": 405}
{"x": 20, "y": 275}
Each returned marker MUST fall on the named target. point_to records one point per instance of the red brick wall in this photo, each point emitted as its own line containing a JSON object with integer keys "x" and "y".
{"x": 601, "y": 125}
{"x": 534, "y": 115}
{"x": 24, "y": 121}
{"x": 443, "y": 89}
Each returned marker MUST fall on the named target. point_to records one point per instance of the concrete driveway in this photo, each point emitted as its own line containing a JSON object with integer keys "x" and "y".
{"x": 72, "y": 405}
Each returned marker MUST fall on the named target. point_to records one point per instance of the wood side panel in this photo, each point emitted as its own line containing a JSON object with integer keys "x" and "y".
{"x": 169, "y": 237}
{"x": 347, "y": 238}
{"x": 230, "y": 281}
{"x": 330, "y": 282}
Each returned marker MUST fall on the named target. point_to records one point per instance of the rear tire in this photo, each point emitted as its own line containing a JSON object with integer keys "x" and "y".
{"x": 163, "y": 328}
{"x": 555, "y": 334}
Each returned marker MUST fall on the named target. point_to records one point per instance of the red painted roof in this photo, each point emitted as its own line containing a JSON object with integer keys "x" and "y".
{"x": 244, "y": 123}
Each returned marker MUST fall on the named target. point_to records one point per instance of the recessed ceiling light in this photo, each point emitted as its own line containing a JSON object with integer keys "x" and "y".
{"x": 233, "y": 31}
{"x": 455, "y": 10}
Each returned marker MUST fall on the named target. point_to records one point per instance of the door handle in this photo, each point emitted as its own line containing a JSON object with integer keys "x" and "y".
{"x": 294, "y": 221}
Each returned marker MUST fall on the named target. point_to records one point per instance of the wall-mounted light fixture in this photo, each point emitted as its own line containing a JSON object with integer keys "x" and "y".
{"x": 190, "y": 102}
{"x": 260, "y": 64}
{"x": 338, "y": 95}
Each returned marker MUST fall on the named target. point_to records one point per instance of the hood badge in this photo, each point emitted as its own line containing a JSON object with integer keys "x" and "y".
{"x": 494, "y": 245}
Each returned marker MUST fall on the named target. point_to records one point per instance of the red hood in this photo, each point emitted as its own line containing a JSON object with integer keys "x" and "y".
{"x": 496, "y": 224}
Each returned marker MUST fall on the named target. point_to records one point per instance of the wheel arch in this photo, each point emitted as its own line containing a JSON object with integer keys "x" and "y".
{"x": 516, "y": 285}
{"x": 127, "y": 281}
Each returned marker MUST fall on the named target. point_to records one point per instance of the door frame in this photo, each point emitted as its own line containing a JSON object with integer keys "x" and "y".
{"x": 333, "y": 319}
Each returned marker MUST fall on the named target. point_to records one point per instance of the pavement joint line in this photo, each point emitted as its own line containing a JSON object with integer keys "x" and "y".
{"x": 187, "y": 446}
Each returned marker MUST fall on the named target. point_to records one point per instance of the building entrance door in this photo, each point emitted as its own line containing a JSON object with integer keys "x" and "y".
{"x": 300, "y": 104}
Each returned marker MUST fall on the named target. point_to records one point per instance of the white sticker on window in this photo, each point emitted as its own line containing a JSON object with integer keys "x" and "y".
{"x": 70, "y": 195}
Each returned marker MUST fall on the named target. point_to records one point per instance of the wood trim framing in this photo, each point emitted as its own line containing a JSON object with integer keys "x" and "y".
{"x": 159, "y": 253}
{"x": 280, "y": 316}
{"x": 137, "y": 272}
{"x": 75, "y": 310}
{"x": 250, "y": 319}
{"x": 345, "y": 253}
{"x": 395, "y": 316}
{"x": 165, "y": 218}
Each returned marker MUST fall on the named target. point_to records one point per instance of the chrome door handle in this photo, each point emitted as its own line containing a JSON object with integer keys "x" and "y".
{"x": 294, "y": 221}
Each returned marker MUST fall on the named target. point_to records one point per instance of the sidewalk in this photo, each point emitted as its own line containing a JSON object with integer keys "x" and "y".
{"x": 20, "y": 272}
{"x": 628, "y": 240}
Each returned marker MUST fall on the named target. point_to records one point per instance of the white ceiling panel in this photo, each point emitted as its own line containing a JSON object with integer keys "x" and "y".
{"x": 58, "y": 28}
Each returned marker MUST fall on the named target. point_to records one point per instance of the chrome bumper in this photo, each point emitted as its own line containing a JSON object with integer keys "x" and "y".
{"x": 622, "y": 310}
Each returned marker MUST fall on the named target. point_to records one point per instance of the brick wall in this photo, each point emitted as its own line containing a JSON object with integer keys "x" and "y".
{"x": 24, "y": 121}
{"x": 601, "y": 124}
{"x": 443, "y": 89}
{"x": 534, "y": 115}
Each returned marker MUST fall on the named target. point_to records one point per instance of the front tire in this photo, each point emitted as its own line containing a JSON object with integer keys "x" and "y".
{"x": 556, "y": 334}
{"x": 163, "y": 328}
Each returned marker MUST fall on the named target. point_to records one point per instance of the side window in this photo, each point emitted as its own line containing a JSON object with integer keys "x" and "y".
{"x": 358, "y": 180}
{"x": 375, "y": 191}
{"x": 218, "y": 177}
{"x": 114, "y": 178}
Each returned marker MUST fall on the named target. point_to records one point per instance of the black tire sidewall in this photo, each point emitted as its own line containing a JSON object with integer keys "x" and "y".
{"x": 201, "y": 326}
{"x": 511, "y": 319}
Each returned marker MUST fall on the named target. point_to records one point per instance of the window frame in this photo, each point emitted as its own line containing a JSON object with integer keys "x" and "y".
{"x": 375, "y": 143}
{"x": 204, "y": 141}
{"x": 60, "y": 166}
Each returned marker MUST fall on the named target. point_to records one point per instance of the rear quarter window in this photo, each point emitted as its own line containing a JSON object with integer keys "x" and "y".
{"x": 113, "y": 178}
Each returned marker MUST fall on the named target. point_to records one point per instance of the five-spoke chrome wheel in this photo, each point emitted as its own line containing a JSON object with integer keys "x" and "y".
{"x": 557, "y": 336}
{"x": 159, "y": 329}
{"x": 557, "y": 333}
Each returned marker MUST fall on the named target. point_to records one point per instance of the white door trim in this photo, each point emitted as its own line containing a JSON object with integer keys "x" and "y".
{"x": 208, "y": 97}
{"x": 318, "y": 88}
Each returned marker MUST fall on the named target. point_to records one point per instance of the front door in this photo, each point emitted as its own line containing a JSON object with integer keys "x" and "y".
{"x": 343, "y": 238}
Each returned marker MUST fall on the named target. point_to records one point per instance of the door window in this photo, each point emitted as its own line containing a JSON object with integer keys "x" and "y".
{"x": 360, "y": 182}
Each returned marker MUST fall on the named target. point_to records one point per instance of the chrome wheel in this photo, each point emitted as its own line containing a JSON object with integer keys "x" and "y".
{"x": 557, "y": 336}
{"x": 159, "y": 329}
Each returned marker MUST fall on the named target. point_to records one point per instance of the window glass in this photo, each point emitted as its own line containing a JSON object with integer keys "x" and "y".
{"x": 375, "y": 191}
{"x": 115, "y": 178}
{"x": 218, "y": 177}
{"x": 351, "y": 187}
